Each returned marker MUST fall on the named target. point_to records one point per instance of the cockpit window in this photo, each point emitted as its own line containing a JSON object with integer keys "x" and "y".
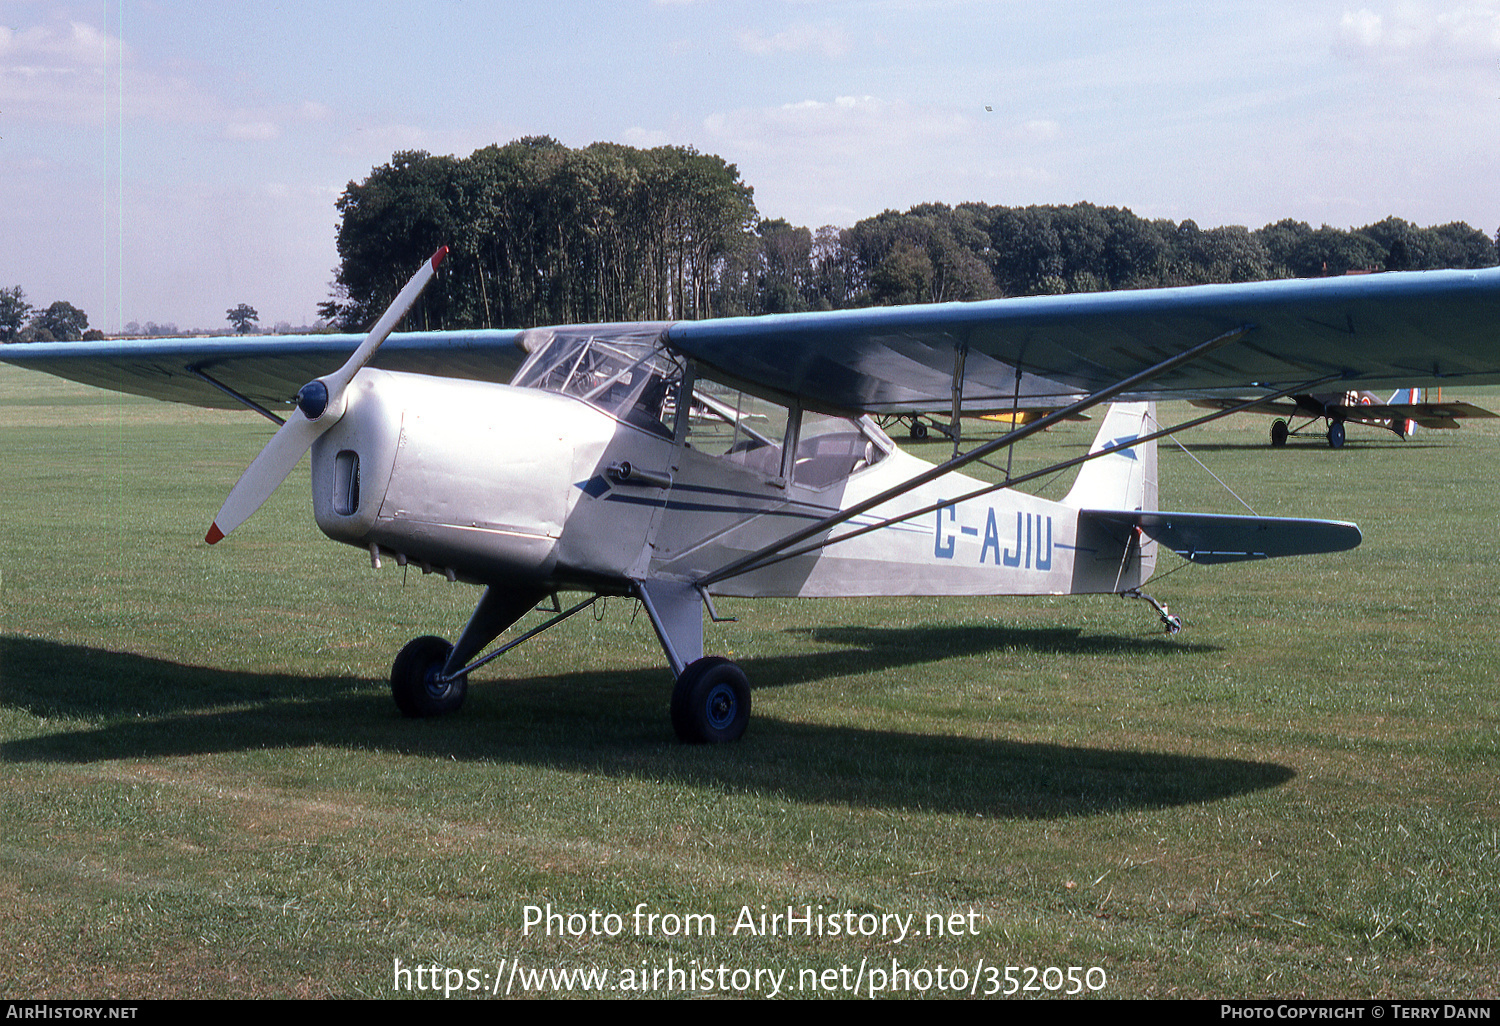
{"x": 829, "y": 449}
{"x": 739, "y": 427}
{"x": 626, "y": 371}
{"x": 621, "y": 369}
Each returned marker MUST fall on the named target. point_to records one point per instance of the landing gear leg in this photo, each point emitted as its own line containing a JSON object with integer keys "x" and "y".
{"x": 425, "y": 680}
{"x": 711, "y": 698}
{"x": 1173, "y": 624}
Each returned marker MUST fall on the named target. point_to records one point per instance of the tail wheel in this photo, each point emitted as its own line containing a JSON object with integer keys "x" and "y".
{"x": 711, "y": 702}
{"x": 417, "y": 684}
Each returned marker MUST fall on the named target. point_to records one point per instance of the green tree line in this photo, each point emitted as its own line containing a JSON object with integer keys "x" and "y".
{"x": 544, "y": 234}
{"x": 935, "y": 253}
{"x": 59, "y": 322}
{"x": 540, "y": 233}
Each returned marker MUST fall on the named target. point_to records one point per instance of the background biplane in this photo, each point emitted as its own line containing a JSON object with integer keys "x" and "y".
{"x": 1402, "y": 413}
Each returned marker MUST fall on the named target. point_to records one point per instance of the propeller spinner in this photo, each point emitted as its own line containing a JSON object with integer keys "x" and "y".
{"x": 320, "y": 404}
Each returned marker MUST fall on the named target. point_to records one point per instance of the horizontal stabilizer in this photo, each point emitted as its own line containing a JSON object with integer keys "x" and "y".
{"x": 1223, "y": 538}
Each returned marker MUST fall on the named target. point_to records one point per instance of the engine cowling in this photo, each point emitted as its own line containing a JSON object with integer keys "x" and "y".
{"x": 459, "y": 475}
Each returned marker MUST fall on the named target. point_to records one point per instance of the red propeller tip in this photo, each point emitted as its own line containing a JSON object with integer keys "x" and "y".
{"x": 437, "y": 257}
{"x": 214, "y": 535}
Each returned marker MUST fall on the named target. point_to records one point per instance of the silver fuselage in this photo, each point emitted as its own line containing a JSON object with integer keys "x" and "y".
{"x": 507, "y": 485}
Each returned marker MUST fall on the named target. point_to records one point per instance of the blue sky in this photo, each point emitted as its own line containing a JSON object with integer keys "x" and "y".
{"x": 167, "y": 160}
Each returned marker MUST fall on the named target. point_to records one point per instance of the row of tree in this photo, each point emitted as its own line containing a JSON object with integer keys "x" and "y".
{"x": 934, "y": 253}
{"x": 541, "y": 233}
{"x": 544, "y": 234}
{"x": 59, "y": 322}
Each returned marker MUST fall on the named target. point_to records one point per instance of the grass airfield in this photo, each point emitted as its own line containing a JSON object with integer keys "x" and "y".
{"x": 206, "y": 791}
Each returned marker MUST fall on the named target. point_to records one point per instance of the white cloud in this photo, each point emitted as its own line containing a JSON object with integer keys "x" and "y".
{"x": 79, "y": 43}
{"x": 827, "y": 39}
{"x": 54, "y": 72}
{"x": 869, "y": 152}
{"x": 846, "y": 123}
{"x": 645, "y": 139}
{"x": 73, "y": 73}
{"x": 1422, "y": 33}
{"x": 1361, "y": 29}
{"x": 267, "y": 125}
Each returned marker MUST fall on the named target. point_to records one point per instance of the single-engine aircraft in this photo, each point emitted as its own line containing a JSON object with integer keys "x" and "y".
{"x": 1401, "y": 414}
{"x": 674, "y": 462}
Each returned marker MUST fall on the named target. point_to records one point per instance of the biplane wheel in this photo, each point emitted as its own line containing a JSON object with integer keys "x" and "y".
{"x": 1336, "y": 435}
{"x": 918, "y": 430}
{"x": 711, "y": 702}
{"x": 1279, "y": 433}
{"x": 415, "y": 684}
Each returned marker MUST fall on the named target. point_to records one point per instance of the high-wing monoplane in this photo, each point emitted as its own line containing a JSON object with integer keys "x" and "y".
{"x": 674, "y": 462}
{"x": 1401, "y": 414}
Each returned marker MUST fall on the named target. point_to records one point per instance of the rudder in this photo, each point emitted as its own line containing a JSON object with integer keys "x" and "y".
{"x": 1125, "y": 480}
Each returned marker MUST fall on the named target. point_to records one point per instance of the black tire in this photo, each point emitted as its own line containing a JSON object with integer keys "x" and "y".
{"x": 1279, "y": 433}
{"x": 1336, "y": 435}
{"x": 711, "y": 702}
{"x": 918, "y": 430}
{"x": 414, "y": 682}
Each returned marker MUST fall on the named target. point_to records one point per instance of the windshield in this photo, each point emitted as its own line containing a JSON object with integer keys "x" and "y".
{"x": 626, "y": 371}
{"x": 621, "y": 369}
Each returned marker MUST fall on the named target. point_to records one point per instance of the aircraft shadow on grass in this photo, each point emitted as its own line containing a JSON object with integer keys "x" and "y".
{"x": 609, "y": 722}
{"x": 867, "y": 649}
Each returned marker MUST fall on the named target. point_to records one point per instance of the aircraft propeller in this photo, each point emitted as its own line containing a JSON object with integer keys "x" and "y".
{"x": 320, "y": 405}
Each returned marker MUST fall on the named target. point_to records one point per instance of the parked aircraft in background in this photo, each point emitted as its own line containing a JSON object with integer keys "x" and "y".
{"x": 1401, "y": 414}
{"x": 674, "y": 462}
{"x": 919, "y": 426}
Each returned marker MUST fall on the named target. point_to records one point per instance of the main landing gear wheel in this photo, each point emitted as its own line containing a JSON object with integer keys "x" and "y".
{"x": 1336, "y": 435}
{"x": 711, "y": 702}
{"x": 1279, "y": 433}
{"x": 416, "y": 684}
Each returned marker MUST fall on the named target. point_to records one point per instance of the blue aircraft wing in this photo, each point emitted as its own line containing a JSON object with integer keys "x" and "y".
{"x": 1378, "y": 330}
{"x": 266, "y": 369}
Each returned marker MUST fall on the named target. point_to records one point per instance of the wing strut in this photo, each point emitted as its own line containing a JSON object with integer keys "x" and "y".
{"x": 1104, "y": 395}
{"x": 1015, "y": 411}
{"x": 955, "y": 421}
{"x": 561, "y": 615}
{"x": 236, "y": 396}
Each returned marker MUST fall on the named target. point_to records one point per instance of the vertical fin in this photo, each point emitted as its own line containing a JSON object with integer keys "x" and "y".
{"x": 1125, "y": 480}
